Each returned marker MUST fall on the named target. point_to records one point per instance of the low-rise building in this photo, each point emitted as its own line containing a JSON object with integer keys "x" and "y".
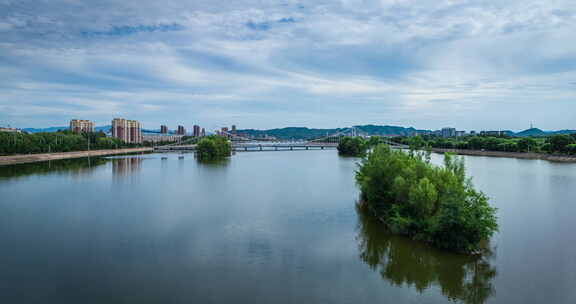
{"x": 155, "y": 138}
{"x": 12, "y": 130}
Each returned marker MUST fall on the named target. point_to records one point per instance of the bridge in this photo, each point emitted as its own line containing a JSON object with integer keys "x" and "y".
{"x": 243, "y": 144}
{"x": 258, "y": 146}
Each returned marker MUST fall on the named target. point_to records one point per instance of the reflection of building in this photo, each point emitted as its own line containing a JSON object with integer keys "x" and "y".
{"x": 81, "y": 126}
{"x": 163, "y": 129}
{"x": 128, "y": 131}
{"x": 181, "y": 130}
{"x": 196, "y": 131}
{"x": 126, "y": 166}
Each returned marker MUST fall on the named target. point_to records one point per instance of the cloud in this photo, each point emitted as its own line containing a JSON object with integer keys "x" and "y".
{"x": 263, "y": 64}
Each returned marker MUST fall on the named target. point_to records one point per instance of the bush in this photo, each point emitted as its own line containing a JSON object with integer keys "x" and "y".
{"x": 213, "y": 147}
{"x": 431, "y": 203}
{"x": 352, "y": 146}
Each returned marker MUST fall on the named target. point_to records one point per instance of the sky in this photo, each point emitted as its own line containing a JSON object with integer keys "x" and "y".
{"x": 429, "y": 64}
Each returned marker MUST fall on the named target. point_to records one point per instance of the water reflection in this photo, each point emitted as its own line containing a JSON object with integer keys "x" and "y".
{"x": 122, "y": 167}
{"x": 80, "y": 167}
{"x": 401, "y": 261}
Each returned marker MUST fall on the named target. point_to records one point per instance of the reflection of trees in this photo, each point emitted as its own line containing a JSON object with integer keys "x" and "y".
{"x": 403, "y": 261}
{"x": 77, "y": 167}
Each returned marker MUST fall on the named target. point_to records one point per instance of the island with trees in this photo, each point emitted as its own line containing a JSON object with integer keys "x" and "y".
{"x": 352, "y": 146}
{"x": 436, "y": 204}
{"x": 213, "y": 147}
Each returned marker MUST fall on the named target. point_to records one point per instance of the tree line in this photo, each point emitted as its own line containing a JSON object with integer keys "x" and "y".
{"x": 556, "y": 144}
{"x": 61, "y": 141}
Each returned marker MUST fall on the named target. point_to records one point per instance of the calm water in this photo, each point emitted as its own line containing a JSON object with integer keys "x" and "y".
{"x": 267, "y": 227}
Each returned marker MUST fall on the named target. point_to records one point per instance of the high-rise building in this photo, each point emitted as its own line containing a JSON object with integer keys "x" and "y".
{"x": 196, "y": 131}
{"x": 233, "y": 129}
{"x": 80, "y": 126}
{"x": 448, "y": 132}
{"x": 163, "y": 129}
{"x": 128, "y": 131}
{"x": 181, "y": 130}
{"x": 203, "y": 132}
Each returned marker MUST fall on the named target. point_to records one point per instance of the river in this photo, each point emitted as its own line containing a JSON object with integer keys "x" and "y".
{"x": 267, "y": 227}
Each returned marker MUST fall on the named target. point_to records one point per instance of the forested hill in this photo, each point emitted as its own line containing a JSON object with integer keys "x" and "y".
{"x": 307, "y": 133}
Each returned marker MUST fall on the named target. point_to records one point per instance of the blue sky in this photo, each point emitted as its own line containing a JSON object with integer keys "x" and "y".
{"x": 470, "y": 64}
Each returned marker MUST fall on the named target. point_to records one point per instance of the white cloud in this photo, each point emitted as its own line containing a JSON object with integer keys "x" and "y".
{"x": 252, "y": 58}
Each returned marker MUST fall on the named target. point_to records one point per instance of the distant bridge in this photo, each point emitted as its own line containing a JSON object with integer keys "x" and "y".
{"x": 259, "y": 146}
{"x": 244, "y": 144}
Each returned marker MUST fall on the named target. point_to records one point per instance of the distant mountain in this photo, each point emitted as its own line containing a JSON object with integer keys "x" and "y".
{"x": 530, "y": 132}
{"x": 105, "y": 129}
{"x": 306, "y": 133}
{"x": 538, "y": 132}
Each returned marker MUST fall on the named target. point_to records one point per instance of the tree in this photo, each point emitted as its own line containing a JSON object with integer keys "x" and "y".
{"x": 352, "y": 146}
{"x": 426, "y": 202}
{"x": 558, "y": 143}
{"x": 213, "y": 147}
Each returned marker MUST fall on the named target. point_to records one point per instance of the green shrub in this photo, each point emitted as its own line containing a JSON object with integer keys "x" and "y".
{"x": 433, "y": 203}
{"x": 213, "y": 147}
{"x": 353, "y": 146}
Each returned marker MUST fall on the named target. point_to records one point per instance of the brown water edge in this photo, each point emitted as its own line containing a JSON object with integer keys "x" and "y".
{"x": 32, "y": 158}
{"x": 523, "y": 155}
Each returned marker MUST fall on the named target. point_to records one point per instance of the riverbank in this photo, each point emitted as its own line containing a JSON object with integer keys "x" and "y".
{"x": 32, "y": 158}
{"x": 523, "y": 155}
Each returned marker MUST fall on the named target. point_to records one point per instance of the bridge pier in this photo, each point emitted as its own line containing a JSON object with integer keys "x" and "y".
{"x": 245, "y": 148}
{"x": 260, "y": 147}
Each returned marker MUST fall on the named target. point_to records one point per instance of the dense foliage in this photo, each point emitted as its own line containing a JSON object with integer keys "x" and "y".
{"x": 431, "y": 203}
{"x": 213, "y": 147}
{"x": 64, "y": 141}
{"x": 558, "y": 144}
{"x": 352, "y": 146}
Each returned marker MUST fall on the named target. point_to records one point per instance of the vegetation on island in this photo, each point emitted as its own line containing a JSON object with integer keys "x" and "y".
{"x": 555, "y": 144}
{"x": 62, "y": 141}
{"x": 437, "y": 204}
{"x": 352, "y": 146}
{"x": 213, "y": 147}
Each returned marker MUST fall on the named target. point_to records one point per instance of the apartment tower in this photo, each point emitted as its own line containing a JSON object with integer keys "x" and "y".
{"x": 128, "y": 131}
{"x": 81, "y": 126}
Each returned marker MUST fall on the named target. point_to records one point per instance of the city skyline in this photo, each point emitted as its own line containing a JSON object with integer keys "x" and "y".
{"x": 262, "y": 64}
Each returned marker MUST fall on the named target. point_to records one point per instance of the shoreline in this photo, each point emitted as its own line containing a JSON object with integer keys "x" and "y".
{"x": 521, "y": 155}
{"x": 32, "y": 158}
